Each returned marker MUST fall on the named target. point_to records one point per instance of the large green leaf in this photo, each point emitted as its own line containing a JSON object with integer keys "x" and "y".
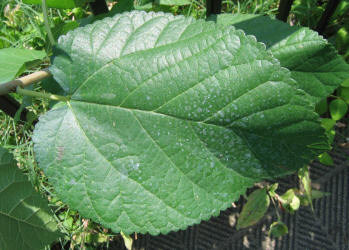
{"x": 12, "y": 61}
{"x": 170, "y": 120}
{"x": 25, "y": 219}
{"x": 313, "y": 62}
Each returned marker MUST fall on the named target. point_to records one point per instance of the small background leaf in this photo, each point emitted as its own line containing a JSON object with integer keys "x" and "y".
{"x": 122, "y": 6}
{"x": 328, "y": 124}
{"x": 322, "y": 107}
{"x": 344, "y": 94}
{"x": 304, "y": 176}
{"x": 316, "y": 194}
{"x": 12, "y": 61}
{"x": 345, "y": 83}
{"x": 290, "y": 201}
{"x": 278, "y": 229}
{"x": 127, "y": 240}
{"x": 255, "y": 208}
{"x": 326, "y": 159}
{"x": 338, "y": 109}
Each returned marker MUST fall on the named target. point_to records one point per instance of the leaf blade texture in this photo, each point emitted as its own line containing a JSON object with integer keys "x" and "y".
{"x": 314, "y": 63}
{"x": 155, "y": 137}
{"x": 25, "y": 220}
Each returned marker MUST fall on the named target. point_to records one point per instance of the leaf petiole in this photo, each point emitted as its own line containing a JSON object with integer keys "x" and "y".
{"x": 50, "y": 96}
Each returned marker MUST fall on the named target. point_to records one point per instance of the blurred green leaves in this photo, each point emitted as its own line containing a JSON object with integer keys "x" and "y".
{"x": 62, "y": 4}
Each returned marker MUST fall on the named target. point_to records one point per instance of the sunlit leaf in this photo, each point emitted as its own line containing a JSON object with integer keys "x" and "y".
{"x": 170, "y": 120}
{"x": 326, "y": 159}
{"x": 12, "y": 61}
{"x": 313, "y": 62}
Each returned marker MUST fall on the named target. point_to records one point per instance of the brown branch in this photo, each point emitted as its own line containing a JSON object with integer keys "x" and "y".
{"x": 284, "y": 10}
{"x": 326, "y": 16}
{"x": 24, "y": 81}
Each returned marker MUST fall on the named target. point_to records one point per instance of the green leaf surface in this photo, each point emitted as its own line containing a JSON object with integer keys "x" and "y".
{"x": 12, "y": 61}
{"x": 61, "y": 4}
{"x": 313, "y": 62}
{"x": 272, "y": 189}
{"x": 278, "y": 229}
{"x": 51, "y": 86}
{"x": 143, "y": 4}
{"x": 122, "y": 6}
{"x": 326, "y": 159}
{"x": 255, "y": 208}
{"x": 316, "y": 194}
{"x": 63, "y": 28}
{"x": 321, "y": 107}
{"x": 304, "y": 177}
{"x": 344, "y": 94}
{"x": 290, "y": 201}
{"x": 25, "y": 219}
{"x": 155, "y": 137}
{"x": 345, "y": 83}
{"x": 328, "y": 124}
{"x": 338, "y": 109}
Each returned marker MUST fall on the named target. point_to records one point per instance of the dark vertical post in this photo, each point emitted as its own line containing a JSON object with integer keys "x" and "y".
{"x": 284, "y": 10}
{"x": 213, "y": 7}
{"x": 325, "y": 18}
{"x": 10, "y": 107}
{"x": 99, "y": 7}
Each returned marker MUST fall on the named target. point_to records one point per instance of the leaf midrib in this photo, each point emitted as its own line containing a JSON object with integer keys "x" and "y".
{"x": 112, "y": 166}
{"x": 180, "y": 118}
{"x": 235, "y": 130}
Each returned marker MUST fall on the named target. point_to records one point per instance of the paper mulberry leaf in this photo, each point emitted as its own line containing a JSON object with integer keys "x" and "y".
{"x": 170, "y": 120}
{"x": 25, "y": 220}
{"x": 313, "y": 62}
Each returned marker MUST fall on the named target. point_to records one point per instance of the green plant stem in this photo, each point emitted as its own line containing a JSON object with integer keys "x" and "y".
{"x": 47, "y": 24}
{"x": 276, "y": 208}
{"x": 50, "y": 96}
